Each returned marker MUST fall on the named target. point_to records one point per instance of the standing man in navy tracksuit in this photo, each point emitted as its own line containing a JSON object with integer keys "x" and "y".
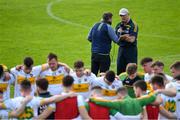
{"x": 127, "y": 30}
{"x": 101, "y": 36}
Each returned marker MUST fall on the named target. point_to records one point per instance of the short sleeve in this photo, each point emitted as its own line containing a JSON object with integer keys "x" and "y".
{"x": 133, "y": 30}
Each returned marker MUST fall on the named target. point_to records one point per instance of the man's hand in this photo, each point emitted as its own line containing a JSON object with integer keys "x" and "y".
{"x": 87, "y": 72}
{"x": 66, "y": 67}
{"x": 102, "y": 74}
{"x": 7, "y": 76}
{"x": 19, "y": 67}
{"x": 124, "y": 37}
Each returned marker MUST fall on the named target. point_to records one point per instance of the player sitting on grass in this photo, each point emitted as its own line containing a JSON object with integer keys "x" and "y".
{"x": 109, "y": 85}
{"x": 82, "y": 82}
{"x": 26, "y": 72}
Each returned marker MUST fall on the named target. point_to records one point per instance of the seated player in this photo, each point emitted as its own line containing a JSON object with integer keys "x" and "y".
{"x": 132, "y": 77}
{"x": 109, "y": 84}
{"x": 82, "y": 82}
{"x": 54, "y": 74}
{"x": 27, "y": 72}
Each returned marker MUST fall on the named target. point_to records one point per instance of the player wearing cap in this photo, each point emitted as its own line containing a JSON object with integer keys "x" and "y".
{"x": 101, "y": 35}
{"x": 127, "y": 30}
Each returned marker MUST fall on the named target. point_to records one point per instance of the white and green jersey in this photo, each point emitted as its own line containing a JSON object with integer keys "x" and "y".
{"x": 82, "y": 85}
{"x": 5, "y": 86}
{"x": 31, "y": 109}
{"x": 169, "y": 103}
{"x": 55, "y": 79}
{"x": 21, "y": 75}
{"x": 109, "y": 91}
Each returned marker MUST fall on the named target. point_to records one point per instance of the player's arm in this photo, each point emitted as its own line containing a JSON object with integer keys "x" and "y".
{"x": 67, "y": 68}
{"x": 48, "y": 111}
{"x": 144, "y": 114}
{"x": 107, "y": 103}
{"x": 17, "y": 112}
{"x": 131, "y": 37}
{"x": 112, "y": 34}
{"x": 168, "y": 92}
{"x": 89, "y": 38}
{"x": 166, "y": 113}
{"x": 56, "y": 98}
{"x": 158, "y": 101}
{"x": 147, "y": 99}
{"x": 82, "y": 109}
{"x": 83, "y": 113}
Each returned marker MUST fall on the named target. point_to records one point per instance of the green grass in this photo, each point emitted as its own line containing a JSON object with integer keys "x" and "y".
{"x": 27, "y": 30}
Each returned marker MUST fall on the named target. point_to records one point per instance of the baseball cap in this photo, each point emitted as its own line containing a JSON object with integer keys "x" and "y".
{"x": 123, "y": 11}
